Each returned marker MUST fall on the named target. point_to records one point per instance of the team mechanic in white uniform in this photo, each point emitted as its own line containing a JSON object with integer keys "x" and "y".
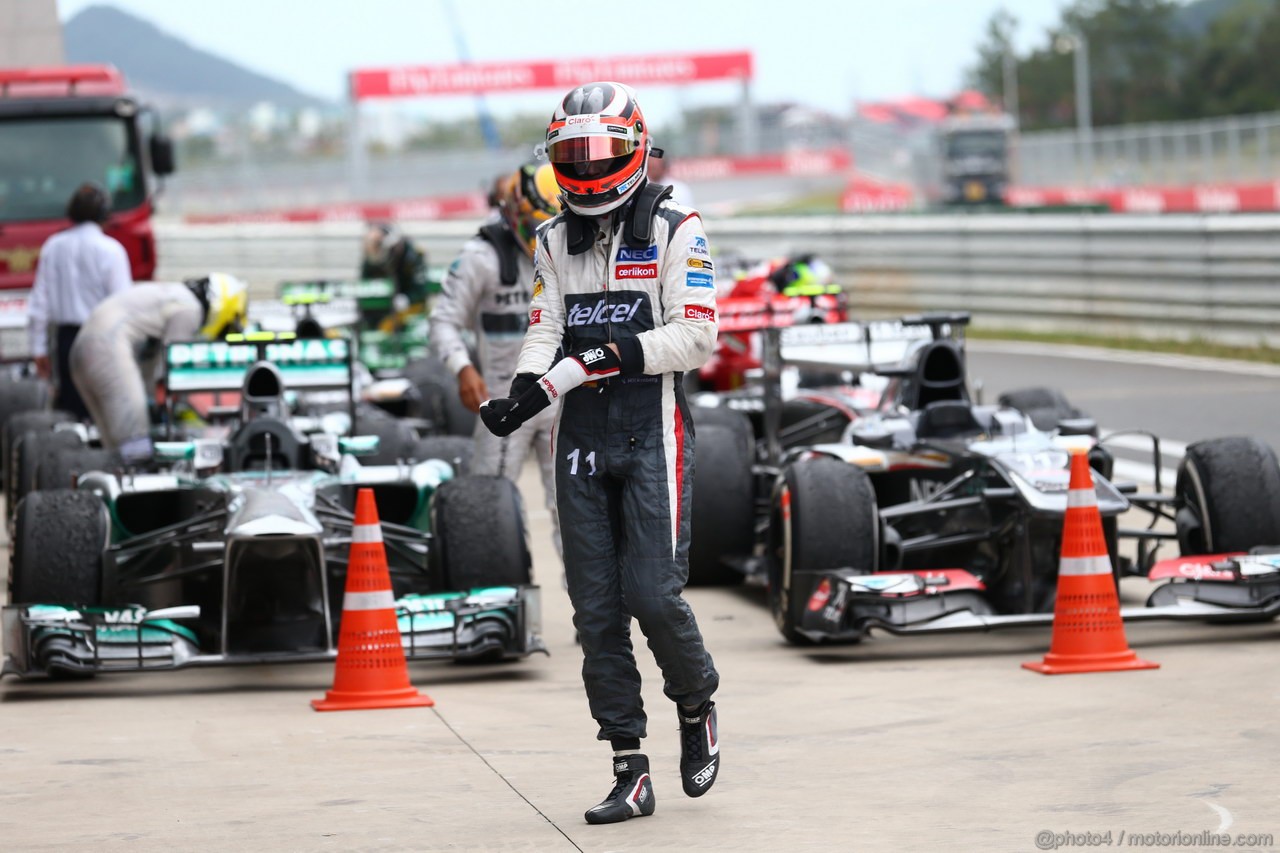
{"x": 113, "y": 356}
{"x": 625, "y": 290}
{"x": 487, "y": 290}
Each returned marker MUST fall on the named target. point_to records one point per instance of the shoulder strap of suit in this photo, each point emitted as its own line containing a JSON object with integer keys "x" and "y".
{"x": 580, "y": 231}
{"x": 501, "y": 238}
{"x": 638, "y": 230}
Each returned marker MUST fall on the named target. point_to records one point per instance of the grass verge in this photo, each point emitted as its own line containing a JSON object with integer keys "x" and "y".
{"x": 822, "y": 202}
{"x": 1196, "y": 347}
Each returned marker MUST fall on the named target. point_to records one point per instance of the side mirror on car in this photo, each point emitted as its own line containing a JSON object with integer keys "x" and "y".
{"x": 162, "y": 161}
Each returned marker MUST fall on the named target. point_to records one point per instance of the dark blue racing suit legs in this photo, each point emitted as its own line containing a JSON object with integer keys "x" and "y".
{"x": 624, "y": 471}
{"x": 623, "y": 448}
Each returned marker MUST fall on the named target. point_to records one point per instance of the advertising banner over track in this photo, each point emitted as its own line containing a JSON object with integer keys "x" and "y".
{"x": 418, "y": 81}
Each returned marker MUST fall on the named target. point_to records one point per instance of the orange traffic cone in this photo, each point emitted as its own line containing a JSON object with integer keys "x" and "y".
{"x": 1088, "y": 633}
{"x": 371, "y": 671}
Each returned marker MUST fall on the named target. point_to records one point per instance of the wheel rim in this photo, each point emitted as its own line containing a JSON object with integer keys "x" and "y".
{"x": 1197, "y": 503}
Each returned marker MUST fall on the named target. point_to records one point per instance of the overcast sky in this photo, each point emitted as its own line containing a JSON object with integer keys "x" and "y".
{"x": 826, "y": 53}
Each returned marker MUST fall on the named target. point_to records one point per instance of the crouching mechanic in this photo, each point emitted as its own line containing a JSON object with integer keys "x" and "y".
{"x": 113, "y": 356}
{"x": 624, "y": 284}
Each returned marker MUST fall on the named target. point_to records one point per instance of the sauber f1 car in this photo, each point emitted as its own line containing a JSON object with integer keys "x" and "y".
{"x": 233, "y": 550}
{"x": 788, "y": 290}
{"x": 931, "y": 513}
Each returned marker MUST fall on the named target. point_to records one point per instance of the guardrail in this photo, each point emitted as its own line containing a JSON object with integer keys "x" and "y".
{"x": 1210, "y": 277}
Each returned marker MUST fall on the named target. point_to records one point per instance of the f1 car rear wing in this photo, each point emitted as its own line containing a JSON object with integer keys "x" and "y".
{"x": 767, "y": 311}
{"x": 374, "y": 293}
{"x": 311, "y": 364}
{"x": 878, "y": 346}
{"x": 332, "y": 304}
{"x": 875, "y": 346}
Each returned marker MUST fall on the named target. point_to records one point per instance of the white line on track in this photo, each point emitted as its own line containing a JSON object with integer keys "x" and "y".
{"x": 1138, "y": 472}
{"x": 1168, "y": 447}
{"x": 1224, "y": 816}
{"x": 1144, "y": 472}
{"x": 1153, "y": 359}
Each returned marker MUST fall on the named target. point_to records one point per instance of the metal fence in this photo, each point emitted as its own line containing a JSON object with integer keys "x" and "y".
{"x": 1227, "y": 150}
{"x": 259, "y": 181}
{"x": 1237, "y": 149}
{"x": 1210, "y": 277}
{"x": 262, "y": 177}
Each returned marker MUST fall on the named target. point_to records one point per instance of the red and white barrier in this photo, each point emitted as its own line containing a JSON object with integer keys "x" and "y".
{"x": 830, "y": 161}
{"x": 1203, "y": 198}
{"x": 864, "y": 195}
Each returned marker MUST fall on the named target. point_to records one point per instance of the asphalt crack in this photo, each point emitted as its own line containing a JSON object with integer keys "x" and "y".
{"x": 505, "y": 780}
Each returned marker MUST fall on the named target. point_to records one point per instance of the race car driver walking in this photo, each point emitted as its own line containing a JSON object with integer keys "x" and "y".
{"x": 625, "y": 289}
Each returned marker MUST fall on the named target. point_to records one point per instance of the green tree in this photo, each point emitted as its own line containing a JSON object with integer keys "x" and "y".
{"x": 987, "y": 75}
{"x": 1234, "y": 68}
{"x": 1136, "y": 56}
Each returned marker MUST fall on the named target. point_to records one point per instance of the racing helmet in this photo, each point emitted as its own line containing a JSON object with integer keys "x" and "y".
{"x": 531, "y": 198}
{"x": 598, "y": 144}
{"x": 805, "y": 276}
{"x": 226, "y": 300}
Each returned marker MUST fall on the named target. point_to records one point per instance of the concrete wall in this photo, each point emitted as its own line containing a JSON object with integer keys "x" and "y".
{"x": 30, "y": 33}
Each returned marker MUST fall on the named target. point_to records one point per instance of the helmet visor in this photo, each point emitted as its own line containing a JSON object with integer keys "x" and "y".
{"x": 585, "y": 149}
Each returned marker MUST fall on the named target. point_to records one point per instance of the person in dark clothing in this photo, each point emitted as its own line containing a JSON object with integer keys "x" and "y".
{"x": 390, "y": 254}
{"x": 623, "y": 303}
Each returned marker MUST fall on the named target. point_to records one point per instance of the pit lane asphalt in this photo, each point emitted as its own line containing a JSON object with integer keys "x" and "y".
{"x": 900, "y": 743}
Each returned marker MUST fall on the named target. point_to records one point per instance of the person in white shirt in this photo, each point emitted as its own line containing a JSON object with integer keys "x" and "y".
{"x": 79, "y": 268}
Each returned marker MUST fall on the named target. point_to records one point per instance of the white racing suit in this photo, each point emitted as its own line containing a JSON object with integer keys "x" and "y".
{"x": 476, "y": 297}
{"x": 624, "y": 450}
{"x": 108, "y": 353}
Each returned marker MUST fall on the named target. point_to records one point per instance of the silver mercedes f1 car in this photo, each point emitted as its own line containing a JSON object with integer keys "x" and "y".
{"x": 231, "y": 546}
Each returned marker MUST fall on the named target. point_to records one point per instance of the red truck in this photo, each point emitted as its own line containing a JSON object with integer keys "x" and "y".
{"x": 59, "y": 127}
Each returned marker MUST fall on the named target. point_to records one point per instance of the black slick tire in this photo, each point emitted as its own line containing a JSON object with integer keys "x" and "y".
{"x": 824, "y": 517}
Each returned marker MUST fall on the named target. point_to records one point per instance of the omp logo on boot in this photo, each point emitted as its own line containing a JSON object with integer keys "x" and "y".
{"x": 700, "y": 312}
{"x": 705, "y": 775}
{"x": 603, "y": 309}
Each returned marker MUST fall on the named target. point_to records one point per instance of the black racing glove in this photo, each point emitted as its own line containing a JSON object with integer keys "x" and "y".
{"x": 523, "y": 382}
{"x": 530, "y": 396}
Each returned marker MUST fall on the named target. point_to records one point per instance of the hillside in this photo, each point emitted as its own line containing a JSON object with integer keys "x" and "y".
{"x": 168, "y": 70}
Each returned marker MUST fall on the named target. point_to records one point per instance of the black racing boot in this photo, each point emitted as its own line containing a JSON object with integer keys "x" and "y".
{"x": 632, "y": 794}
{"x": 699, "y": 749}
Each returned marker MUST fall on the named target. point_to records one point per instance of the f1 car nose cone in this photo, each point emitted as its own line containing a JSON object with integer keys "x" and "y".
{"x": 275, "y": 525}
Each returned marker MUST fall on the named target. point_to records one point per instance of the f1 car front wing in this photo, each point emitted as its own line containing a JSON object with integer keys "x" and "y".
{"x": 52, "y": 640}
